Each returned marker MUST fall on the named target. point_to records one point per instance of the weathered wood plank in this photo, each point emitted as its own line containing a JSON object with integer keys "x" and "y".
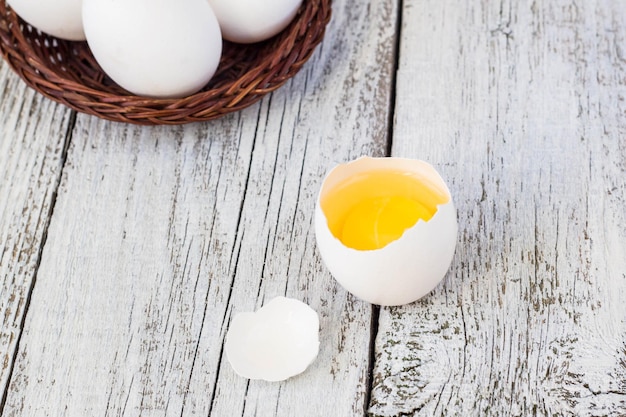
{"x": 32, "y": 139}
{"x": 138, "y": 256}
{"x": 348, "y": 116}
{"x": 521, "y": 105}
{"x": 160, "y": 235}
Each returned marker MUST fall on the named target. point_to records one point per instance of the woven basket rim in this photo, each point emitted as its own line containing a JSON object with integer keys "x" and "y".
{"x": 66, "y": 72}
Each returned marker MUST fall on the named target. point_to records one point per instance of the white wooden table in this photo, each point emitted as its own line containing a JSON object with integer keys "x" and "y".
{"x": 125, "y": 251}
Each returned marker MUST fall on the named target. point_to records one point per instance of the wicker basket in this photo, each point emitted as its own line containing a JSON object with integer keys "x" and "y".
{"x": 66, "y": 71}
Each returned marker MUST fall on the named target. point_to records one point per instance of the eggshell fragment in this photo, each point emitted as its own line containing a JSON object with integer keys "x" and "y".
{"x": 278, "y": 341}
{"x": 249, "y": 21}
{"x": 59, "y": 18}
{"x": 404, "y": 270}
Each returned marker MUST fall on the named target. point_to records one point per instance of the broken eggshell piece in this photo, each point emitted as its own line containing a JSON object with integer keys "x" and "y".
{"x": 278, "y": 341}
{"x": 405, "y": 267}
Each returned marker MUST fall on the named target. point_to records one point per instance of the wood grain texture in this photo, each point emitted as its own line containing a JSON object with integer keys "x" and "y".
{"x": 32, "y": 140}
{"x": 160, "y": 235}
{"x": 521, "y": 105}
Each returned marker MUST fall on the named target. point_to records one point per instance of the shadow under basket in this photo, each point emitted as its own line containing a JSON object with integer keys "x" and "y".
{"x": 67, "y": 72}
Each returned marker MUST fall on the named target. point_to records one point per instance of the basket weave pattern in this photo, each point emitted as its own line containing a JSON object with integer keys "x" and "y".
{"x": 67, "y": 72}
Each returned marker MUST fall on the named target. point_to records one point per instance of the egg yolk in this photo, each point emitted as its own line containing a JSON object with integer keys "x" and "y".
{"x": 372, "y": 209}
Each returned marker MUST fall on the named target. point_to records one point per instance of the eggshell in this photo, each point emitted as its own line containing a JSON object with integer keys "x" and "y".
{"x": 278, "y": 341}
{"x": 154, "y": 48}
{"x": 59, "y": 18}
{"x": 407, "y": 268}
{"x": 249, "y": 21}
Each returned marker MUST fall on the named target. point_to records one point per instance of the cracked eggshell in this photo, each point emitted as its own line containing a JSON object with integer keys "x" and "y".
{"x": 407, "y": 268}
{"x": 278, "y": 341}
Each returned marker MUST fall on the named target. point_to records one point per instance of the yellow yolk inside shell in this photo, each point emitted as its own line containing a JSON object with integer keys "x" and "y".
{"x": 372, "y": 209}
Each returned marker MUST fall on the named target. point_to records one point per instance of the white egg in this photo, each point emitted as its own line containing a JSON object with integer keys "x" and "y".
{"x": 386, "y": 228}
{"x": 154, "y": 48}
{"x": 249, "y": 21}
{"x": 60, "y": 18}
{"x": 278, "y": 341}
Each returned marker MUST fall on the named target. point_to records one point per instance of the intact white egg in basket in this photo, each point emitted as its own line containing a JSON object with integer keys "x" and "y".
{"x": 154, "y": 48}
{"x": 386, "y": 228}
{"x": 249, "y": 21}
{"x": 60, "y": 18}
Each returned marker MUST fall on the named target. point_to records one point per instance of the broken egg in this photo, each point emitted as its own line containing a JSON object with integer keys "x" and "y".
{"x": 386, "y": 228}
{"x": 278, "y": 341}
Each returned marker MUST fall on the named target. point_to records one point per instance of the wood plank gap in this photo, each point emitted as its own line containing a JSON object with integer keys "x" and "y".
{"x": 44, "y": 238}
{"x": 372, "y": 358}
{"x": 233, "y": 275}
{"x": 388, "y": 147}
{"x": 391, "y": 115}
